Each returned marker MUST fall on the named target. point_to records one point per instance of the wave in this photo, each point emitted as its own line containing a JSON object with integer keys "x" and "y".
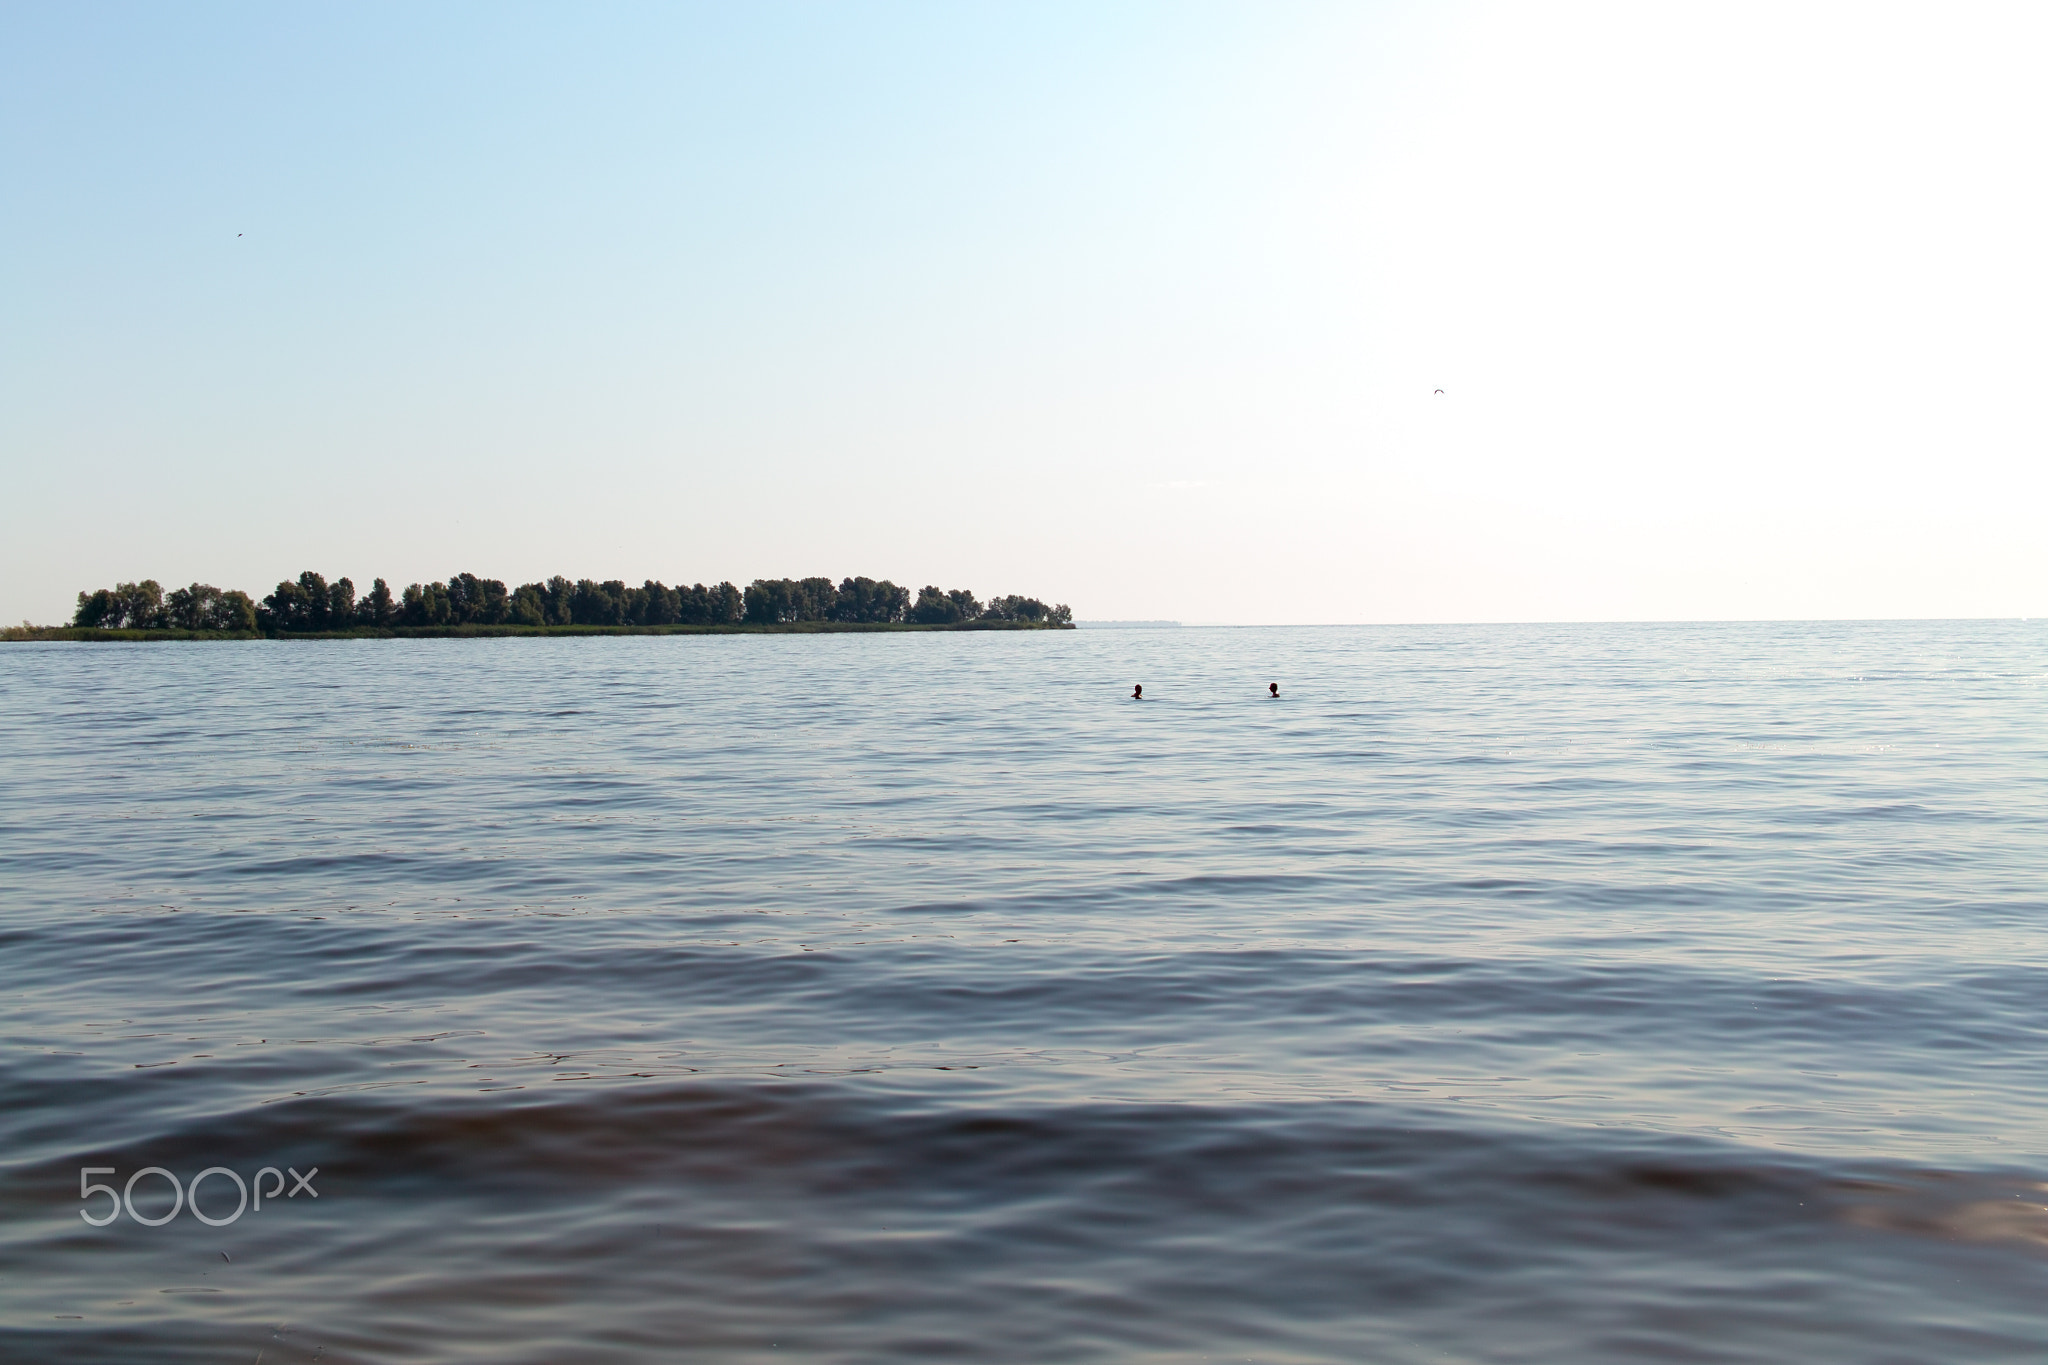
{"x": 832, "y": 1222}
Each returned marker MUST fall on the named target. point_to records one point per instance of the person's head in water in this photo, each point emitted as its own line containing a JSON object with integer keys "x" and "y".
{"x": 1273, "y": 689}
{"x": 1138, "y": 692}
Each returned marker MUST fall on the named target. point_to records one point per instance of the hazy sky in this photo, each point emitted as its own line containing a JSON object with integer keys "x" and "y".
{"x": 1738, "y": 311}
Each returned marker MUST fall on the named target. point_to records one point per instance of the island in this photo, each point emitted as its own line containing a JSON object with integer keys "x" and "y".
{"x": 311, "y": 607}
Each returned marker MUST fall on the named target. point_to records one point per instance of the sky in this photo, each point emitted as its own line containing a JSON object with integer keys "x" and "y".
{"x": 1737, "y": 311}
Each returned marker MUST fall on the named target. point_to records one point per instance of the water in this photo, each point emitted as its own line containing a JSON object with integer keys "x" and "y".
{"x": 1577, "y": 994}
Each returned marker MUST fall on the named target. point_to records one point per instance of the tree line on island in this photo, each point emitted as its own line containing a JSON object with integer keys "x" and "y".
{"x": 312, "y": 604}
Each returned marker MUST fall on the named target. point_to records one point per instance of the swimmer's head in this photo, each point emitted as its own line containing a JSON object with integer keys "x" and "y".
{"x": 1273, "y": 688}
{"x": 1139, "y": 692}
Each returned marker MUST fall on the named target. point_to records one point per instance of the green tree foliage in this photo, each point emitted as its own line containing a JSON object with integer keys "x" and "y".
{"x": 655, "y": 605}
{"x": 341, "y": 605}
{"x": 1015, "y": 608}
{"x": 205, "y": 607}
{"x": 377, "y": 608}
{"x": 423, "y": 604}
{"x": 191, "y": 608}
{"x": 126, "y": 606}
{"x": 93, "y": 609}
{"x": 477, "y": 601}
{"x": 936, "y": 608}
{"x": 143, "y": 604}
{"x": 774, "y": 601}
{"x": 291, "y": 606}
{"x": 863, "y": 599}
{"x": 319, "y": 606}
{"x": 310, "y": 603}
{"x": 236, "y": 610}
{"x": 781, "y": 601}
{"x": 542, "y": 604}
{"x": 528, "y": 607}
{"x": 599, "y": 604}
{"x": 728, "y": 606}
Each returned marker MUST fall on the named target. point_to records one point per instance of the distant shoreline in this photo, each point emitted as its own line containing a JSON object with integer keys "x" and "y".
{"x": 87, "y": 634}
{"x": 313, "y": 608}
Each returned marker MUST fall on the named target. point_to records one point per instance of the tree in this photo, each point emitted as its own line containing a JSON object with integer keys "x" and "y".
{"x": 815, "y": 599}
{"x": 125, "y": 606}
{"x": 313, "y": 604}
{"x": 936, "y": 608}
{"x": 780, "y": 601}
{"x": 285, "y": 609}
{"x": 341, "y": 605}
{"x": 476, "y": 601}
{"x": 199, "y": 606}
{"x": 851, "y": 601}
{"x": 728, "y": 606}
{"x": 93, "y": 609}
{"x": 561, "y": 593}
{"x": 234, "y": 610}
{"x": 142, "y": 604}
{"x": 424, "y": 604}
{"x": 771, "y": 601}
{"x": 933, "y": 607}
{"x": 658, "y": 606}
{"x": 310, "y": 603}
{"x": 1014, "y": 608}
{"x": 529, "y": 605}
{"x": 377, "y": 608}
{"x": 543, "y": 604}
{"x": 863, "y": 599}
{"x": 191, "y": 608}
{"x": 693, "y": 605}
{"x": 598, "y": 604}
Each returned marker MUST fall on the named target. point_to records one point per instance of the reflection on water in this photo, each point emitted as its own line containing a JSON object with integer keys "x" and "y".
{"x": 1510, "y": 994}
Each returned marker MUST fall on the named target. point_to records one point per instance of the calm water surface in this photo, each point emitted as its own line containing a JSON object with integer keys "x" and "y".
{"x": 1573, "y": 994}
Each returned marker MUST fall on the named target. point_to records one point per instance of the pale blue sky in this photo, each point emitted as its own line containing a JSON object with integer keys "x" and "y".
{"x": 1138, "y": 307}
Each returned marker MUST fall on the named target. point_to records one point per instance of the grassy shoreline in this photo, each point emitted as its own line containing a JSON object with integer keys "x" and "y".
{"x": 26, "y": 633}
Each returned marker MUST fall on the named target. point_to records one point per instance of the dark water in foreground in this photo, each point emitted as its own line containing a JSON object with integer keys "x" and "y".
{"x": 1575, "y": 994}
